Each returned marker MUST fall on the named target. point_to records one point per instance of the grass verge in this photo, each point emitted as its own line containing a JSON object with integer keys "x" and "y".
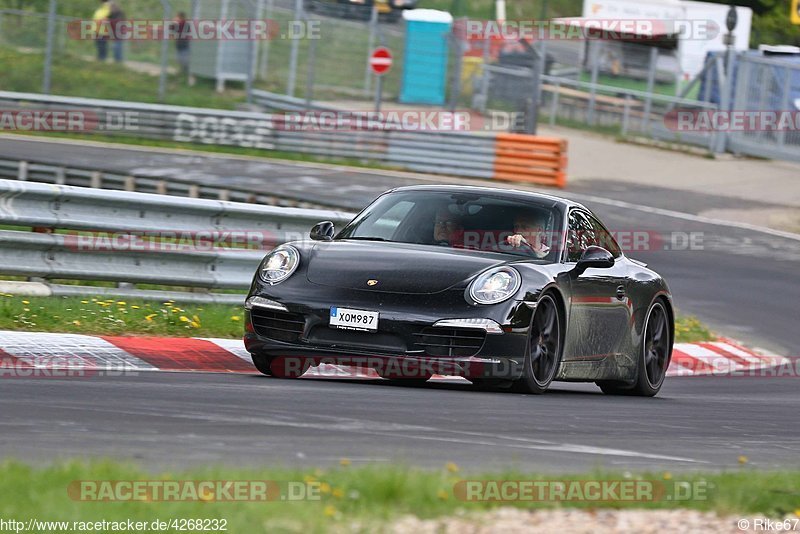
{"x": 118, "y": 316}
{"x": 74, "y": 76}
{"x": 365, "y": 497}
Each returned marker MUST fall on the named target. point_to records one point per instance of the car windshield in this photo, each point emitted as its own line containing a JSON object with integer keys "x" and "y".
{"x": 463, "y": 220}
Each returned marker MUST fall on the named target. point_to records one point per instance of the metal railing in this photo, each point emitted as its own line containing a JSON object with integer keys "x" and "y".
{"x": 99, "y": 178}
{"x": 460, "y": 154}
{"x": 140, "y": 238}
{"x": 631, "y": 110}
{"x": 769, "y": 85}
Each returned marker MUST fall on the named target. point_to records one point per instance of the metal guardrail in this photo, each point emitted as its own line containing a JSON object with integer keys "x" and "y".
{"x": 268, "y": 132}
{"x": 453, "y": 153}
{"x": 87, "y": 234}
{"x": 278, "y": 102}
{"x": 98, "y": 178}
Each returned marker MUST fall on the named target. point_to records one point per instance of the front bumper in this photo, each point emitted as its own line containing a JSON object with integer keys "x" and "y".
{"x": 406, "y": 343}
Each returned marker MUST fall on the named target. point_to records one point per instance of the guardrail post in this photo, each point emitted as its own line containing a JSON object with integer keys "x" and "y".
{"x": 785, "y": 103}
{"x": 264, "y": 64}
{"x": 162, "y": 77}
{"x": 595, "y": 55}
{"x": 293, "y": 51}
{"x": 651, "y": 83}
{"x": 554, "y": 103}
{"x": 311, "y": 65}
{"x": 61, "y": 176}
{"x": 161, "y": 187}
{"x": 224, "y": 194}
{"x": 23, "y": 171}
{"x": 130, "y": 183}
{"x": 626, "y": 111}
{"x": 96, "y": 180}
{"x": 194, "y": 191}
{"x": 373, "y": 27}
{"x": 48, "y": 52}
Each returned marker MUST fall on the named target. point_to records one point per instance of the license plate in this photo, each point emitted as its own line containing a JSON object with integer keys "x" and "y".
{"x": 366, "y": 321}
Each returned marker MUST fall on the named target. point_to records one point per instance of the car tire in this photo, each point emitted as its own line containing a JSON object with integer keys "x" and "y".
{"x": 654, "y": 356}
{"x": 274, "y": 367}
{"x": 262, "y": 363}
{"x": 545, "y": 346}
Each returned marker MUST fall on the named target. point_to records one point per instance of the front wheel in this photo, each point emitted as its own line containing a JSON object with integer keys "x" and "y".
{"x": 654, "y": 356}
{"x": 543, "y": 355}
{"x": 262, "y": 363}
{"x": 280, "y": 367}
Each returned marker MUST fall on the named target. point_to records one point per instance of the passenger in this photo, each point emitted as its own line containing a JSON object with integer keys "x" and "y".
{"x": 448, "y": 229}
{"x": 529, "y": 234}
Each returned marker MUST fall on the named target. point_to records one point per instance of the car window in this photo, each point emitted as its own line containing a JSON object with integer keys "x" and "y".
{"x": 580, "y": 235}
{"x": 469, "y": 221}
{"x": 604, "y": 238}
{"x": 385, "y": 225}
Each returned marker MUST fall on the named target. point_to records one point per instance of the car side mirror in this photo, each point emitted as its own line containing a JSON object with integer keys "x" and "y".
{"x": 322, "y": 231}
{"x": 594, "y": 257}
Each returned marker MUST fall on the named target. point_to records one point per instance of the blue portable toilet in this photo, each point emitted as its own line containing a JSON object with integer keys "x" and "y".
{"x": 425, "y": 59}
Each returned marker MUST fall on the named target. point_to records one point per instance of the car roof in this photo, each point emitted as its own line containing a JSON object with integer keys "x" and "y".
{"x": 502, "y": 192}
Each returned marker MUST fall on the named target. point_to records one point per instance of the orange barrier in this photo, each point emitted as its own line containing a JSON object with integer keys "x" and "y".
{"x": 531, "y": 159}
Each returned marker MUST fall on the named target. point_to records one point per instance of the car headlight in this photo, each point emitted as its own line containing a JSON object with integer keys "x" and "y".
{"x": 279, "y": 264}
{"x": 495, "y": 285}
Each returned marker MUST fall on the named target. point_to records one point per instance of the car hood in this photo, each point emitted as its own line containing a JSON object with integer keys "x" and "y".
{"x": 397, "y": 267}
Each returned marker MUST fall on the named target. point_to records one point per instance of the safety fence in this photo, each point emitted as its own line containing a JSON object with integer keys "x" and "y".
{"x": 768, "y": 84}
{"x": 529, "y": 158}
{"x": 72, "y": 233}
{"x": 453, "y": 153}
{"x": 98, "y": 178}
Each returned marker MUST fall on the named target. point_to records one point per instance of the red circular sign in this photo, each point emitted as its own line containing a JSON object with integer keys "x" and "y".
{"x": 380, "y": 61}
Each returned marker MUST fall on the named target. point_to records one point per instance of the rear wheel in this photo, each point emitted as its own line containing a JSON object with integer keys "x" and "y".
{"x": 544, "y": 348}
{"x": 654, "y": 357}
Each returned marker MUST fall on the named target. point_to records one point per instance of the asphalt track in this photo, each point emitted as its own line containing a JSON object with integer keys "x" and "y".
{"x": 163, "y": 420}
{"x": 741, "y": 282}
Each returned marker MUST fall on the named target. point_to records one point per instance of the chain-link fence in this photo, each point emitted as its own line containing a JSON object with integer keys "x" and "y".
{"x": 314, "y": 46}
{"x": 54, "y": 37}
{"x": 319, "y": 54}
{"x": 334, "y": 65}
{"x": 770, "y": 85}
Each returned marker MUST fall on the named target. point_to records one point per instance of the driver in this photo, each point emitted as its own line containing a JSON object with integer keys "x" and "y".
{"x": 529, "y": 234}
{"x": 448, "y": 229}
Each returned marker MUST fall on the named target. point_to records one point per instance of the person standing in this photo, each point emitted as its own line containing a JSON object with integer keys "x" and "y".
{"x": 115, "y": 15}
{"x": 100, "y": 18}
{"x": 182, "y": 43}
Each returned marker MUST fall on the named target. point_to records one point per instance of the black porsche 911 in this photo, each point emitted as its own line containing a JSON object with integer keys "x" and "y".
{"x": 504, "y": 288}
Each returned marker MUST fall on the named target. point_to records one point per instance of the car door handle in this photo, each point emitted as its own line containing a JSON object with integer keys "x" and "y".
{"x": 620, "y": 292}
